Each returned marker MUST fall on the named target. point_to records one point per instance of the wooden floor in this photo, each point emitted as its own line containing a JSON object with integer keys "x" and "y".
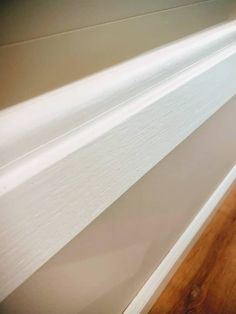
{"x": 205, "y": 283}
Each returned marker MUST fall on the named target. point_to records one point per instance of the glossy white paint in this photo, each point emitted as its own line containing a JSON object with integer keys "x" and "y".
{"x": 151, "y": 76}
{"x": 63, "y": 168}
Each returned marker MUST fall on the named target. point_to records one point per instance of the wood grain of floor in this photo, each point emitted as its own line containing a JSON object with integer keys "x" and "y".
{"x": 205, "y": 283}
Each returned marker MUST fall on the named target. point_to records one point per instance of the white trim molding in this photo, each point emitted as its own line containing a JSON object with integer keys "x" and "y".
{"x": 69, "y": 154}
{"x": 156, "y": 283}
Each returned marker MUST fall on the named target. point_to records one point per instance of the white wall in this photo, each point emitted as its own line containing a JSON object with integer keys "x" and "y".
{"x": 25, "y": 20}
{"x": 47, "y": 44}
{"x": 103, "y": 268}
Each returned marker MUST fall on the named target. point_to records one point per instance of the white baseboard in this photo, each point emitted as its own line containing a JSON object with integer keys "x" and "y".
{"x": 161, "y": 276}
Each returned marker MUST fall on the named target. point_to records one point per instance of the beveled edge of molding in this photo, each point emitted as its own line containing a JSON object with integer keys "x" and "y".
{"x": 40, "y": 120}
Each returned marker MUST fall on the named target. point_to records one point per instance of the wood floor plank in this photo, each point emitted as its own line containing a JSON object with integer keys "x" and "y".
{"x": 205, "y": 283}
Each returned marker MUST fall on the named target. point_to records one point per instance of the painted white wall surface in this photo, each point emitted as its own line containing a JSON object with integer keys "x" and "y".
{"x": 103, "y": 268}
{"x": 46, "y": 18}
{"x": 39, "y": 61}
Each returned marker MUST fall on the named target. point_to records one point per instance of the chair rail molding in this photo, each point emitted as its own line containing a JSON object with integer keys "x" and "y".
{"x": 70, "y": 153}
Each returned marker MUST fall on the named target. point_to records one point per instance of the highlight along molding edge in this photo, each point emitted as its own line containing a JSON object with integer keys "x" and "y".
{"x": 64, "y": 167}
{"x": 146, "y": 297}
{"x": 53, "y": 115}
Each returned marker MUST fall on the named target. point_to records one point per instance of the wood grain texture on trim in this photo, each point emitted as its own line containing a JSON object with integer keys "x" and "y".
{"x": 84, "y": 145}
{"x": 205, "y": 281}
{"x": 155, "y": 285}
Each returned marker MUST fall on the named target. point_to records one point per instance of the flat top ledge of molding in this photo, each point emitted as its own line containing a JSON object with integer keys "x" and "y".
{"x": 97, "y": 137}
{"x": 45, "y": 118}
